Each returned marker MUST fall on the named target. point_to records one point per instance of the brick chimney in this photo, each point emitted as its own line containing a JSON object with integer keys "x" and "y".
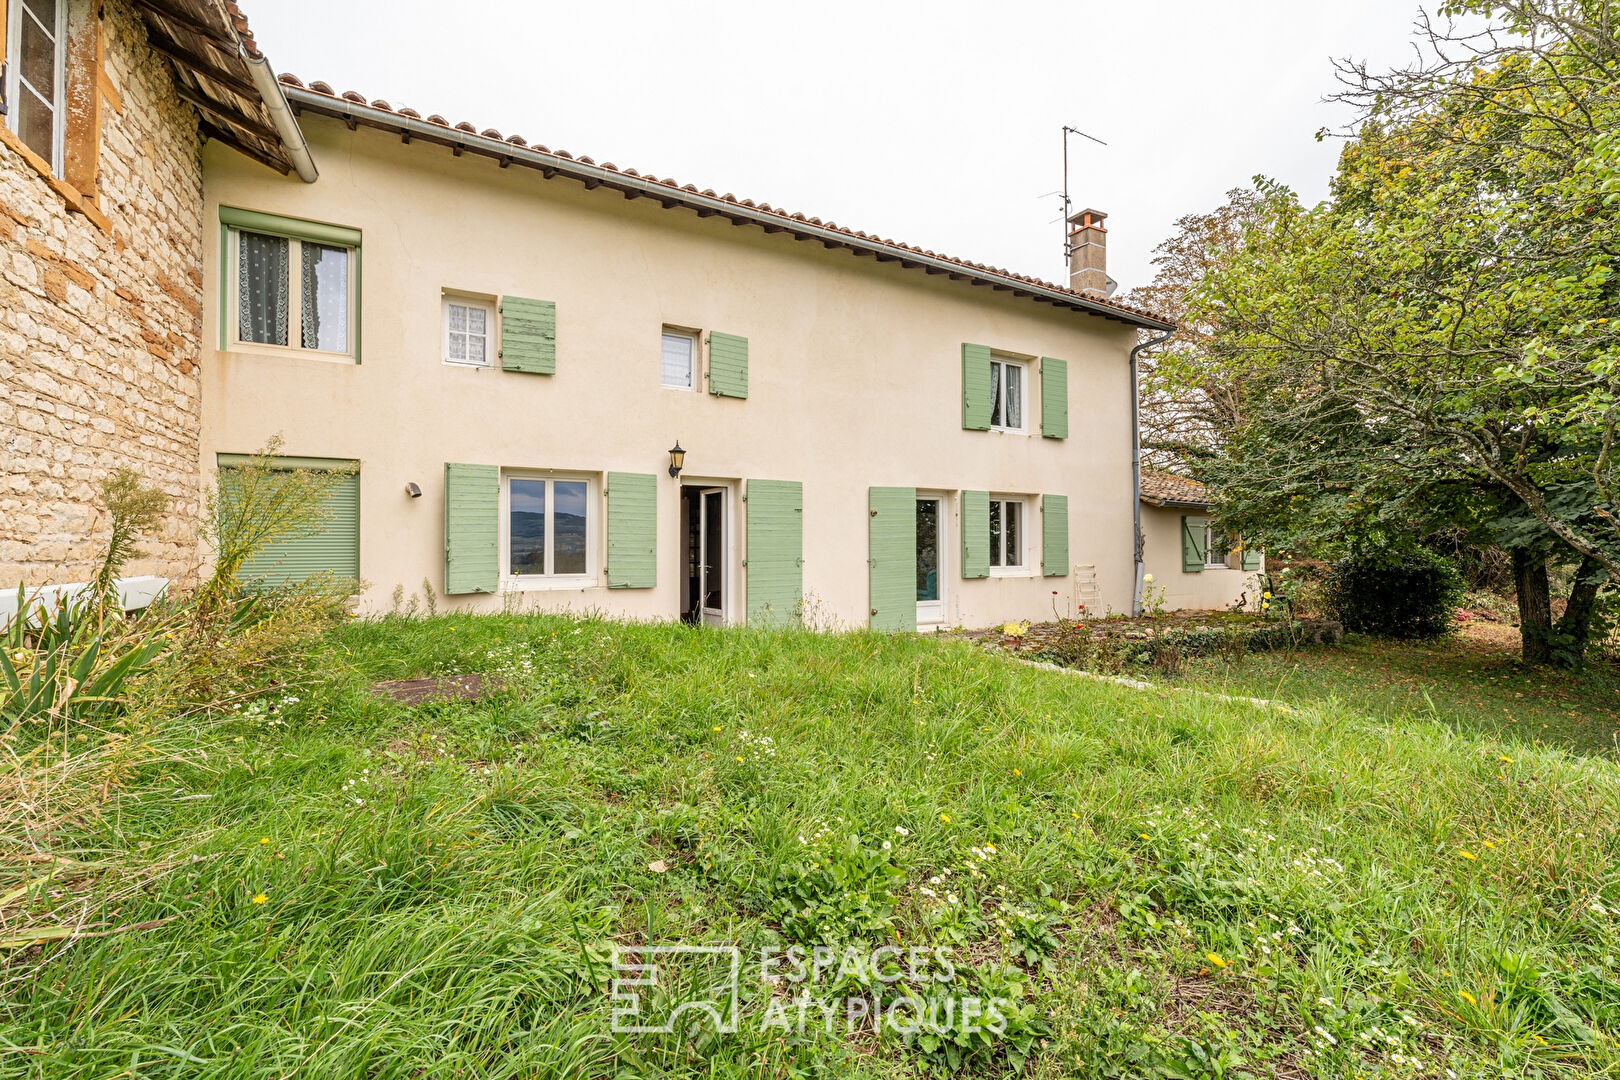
{"x": 1088, "y": 253}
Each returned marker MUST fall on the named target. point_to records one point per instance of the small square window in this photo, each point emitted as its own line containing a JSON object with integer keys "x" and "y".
{"x": 469, "y": 327}
{"x": 1007, "y": 394}
{"x": 1006, "y": 533}
{"x": 678, "y": 363}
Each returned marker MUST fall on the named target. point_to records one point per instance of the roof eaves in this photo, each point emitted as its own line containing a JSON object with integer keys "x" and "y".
{"x": 354, "y": 109}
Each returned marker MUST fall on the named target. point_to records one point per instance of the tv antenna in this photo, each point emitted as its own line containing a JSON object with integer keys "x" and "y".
{"x": 1068, "y": 207}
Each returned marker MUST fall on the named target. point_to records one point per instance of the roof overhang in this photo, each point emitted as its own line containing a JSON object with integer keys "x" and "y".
{"x": 669, "y": 195}
{"x": 1176, "y": 504}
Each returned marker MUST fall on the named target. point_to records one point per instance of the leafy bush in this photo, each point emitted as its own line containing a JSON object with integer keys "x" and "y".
{"x": 1395, "y": 594}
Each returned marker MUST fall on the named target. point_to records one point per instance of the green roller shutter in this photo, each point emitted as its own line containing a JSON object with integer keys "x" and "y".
{"x": 632, "y": 528}
{"x": 728, "y": 365}
{"x": 975, "y": 534}
{"x": 892, "y": 546}
{"x": 472, "y": 496}
{"x": 1055, "y": 535}
{"x": 1054, "y": 398}
{"x": 1192, "y": 544}
{"x": 330, "y": 546}
{"x": 775, "y": 563}
{"x": 975, "y": 387}
{"x": 1252, "y": 558}
{"x": 528, "y": 335}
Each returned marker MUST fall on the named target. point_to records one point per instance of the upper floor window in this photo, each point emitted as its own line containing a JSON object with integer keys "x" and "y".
{"x": 469, "y": 328}
{"x": 1006, "y": 394}
{"x": 291, "y": 284}
{"x": 678, "y": 365}
{"x": 36, "y": 35}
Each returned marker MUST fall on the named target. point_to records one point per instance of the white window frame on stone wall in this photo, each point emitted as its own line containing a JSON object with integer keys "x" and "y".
{"x": 297, "y": 234}
{"x": 16, "y": 85}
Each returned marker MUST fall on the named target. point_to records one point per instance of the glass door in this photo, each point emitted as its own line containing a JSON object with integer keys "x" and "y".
{"x": 712, "y": 555}
{"x": 930, "y": 560}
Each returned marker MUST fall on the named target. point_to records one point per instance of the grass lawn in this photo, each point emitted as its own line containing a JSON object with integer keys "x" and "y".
{"x": 1473, "y": 683}
{"x": 1149, "y": 884}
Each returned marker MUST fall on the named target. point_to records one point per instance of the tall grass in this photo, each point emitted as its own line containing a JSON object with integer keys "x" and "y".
{"x": 1185, "y": 886}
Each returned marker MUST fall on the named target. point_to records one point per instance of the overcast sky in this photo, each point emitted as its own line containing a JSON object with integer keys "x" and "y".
{"x": 935, "y": 124}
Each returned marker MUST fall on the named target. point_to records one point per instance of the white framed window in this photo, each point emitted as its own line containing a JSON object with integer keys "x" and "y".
{"x": 291, "y": 294}
{"x": 469, "y": 331}
{"x": 36, "y": 83}
{"x": 1008, "y": 378}
{"x": 548, "y": 529}
{"x": 678, "y": 359}
{"x": 1009, "y": 519}
{"x": 1217, "y": 548}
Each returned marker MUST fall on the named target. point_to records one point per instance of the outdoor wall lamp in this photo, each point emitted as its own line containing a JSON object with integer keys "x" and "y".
{"x": 413, "y": 489}
{"x": 677, "y": 459}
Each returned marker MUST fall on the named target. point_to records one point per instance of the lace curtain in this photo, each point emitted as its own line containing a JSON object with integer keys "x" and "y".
{"x": 324, "y": 298}
{"x": 261, "y": 267}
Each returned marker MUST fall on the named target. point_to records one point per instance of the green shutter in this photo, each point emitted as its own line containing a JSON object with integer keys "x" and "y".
{"x": 1252, "y": 558}
{"x": 472, "y": 500}
{"x": 975, "y": 534}
{"x": 1054, "y": 398}
{"x": 528, "y": 335}
{"x": 1192, "y": 544}
{"x": 632, "y": 513}
{"x": 892, "y": 550}
{"x": 331, "y": 546}
{"x": 975, "y": 387}
{"x": 728, "y": 365}
{"x": 775, "y": 563}
{"x": 1055, "y": 535}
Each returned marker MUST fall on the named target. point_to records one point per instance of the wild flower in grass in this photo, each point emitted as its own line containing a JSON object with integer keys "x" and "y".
{"x": 264, "y": 840}
{"x": 1216, "y": 959}
{"x": 1469, "y": 855}
{"x": 1466, "y": 996}
{"x": 902, "y": 830}
{"x": 260, "y": 898}
{"x": 946, "y": 818}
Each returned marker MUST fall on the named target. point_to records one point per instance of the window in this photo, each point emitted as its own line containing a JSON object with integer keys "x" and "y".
{"x": 1217, "y": 547}
{"x": 1006, "y": 533}
{"x": 550, "y": 529}
{"x": 1006, "y": 394}
{"x": 679, "y": 362}
{"x": 468, "y": 326}
{"x": 35, "y": 81}
{"x": 290, "y": 284}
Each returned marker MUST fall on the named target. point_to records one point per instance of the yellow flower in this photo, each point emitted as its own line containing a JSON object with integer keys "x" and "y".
{"x": 1487, "y": 843}
{"x": 1147, "y": 579}
{"x": 1017, "y": 772}
{"x": 261, "y": 898}
{"x": 1469, "y": 855}
{"x": 945, "y": 818}
{"x": 739, "y": 759}
{"x": 1504, "y": 759}
{"x": 1266, "y": 595}
{"x": 717, "y": 727}
{"x": 1215, "y": 959}
{"x": 264, "y": 840}
{"x": 1466, "y": 996}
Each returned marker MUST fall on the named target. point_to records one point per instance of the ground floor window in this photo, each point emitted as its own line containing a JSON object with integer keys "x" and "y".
{"x": 550, "y": 525}
{"x": 1006, "y": 533}
{"x": 1217, "y": 548}
{"x": 329, "y": 545}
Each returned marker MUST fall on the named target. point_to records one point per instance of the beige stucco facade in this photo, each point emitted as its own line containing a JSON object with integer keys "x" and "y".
{"x": 1211, "y": 588}
{"x": 854, "y": 380}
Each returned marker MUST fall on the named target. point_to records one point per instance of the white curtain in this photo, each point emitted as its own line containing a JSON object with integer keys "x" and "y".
{"x": 324, "y": 298}
{"x": 261, "y": 288}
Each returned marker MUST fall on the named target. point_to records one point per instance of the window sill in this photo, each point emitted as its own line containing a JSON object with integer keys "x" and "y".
{"x": 577, "y": 583}
{"x": 289, "y": 352}
{"x": 1011, "y": 571}
{"x": 1009, "y": 431}
{"x": 72, "y": 196}
{"x": 465, "y": 366}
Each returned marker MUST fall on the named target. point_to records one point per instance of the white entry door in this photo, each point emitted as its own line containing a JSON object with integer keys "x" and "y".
{"x": 712, "y": 555}
{"x": 931, "y": 549}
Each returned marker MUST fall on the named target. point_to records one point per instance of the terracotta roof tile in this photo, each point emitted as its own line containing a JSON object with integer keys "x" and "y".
{"x": 1129, "y": 312}
{"x": 1163, "y": 488}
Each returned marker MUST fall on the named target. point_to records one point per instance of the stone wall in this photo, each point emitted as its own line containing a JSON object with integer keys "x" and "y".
{"x": 100, "y": 322}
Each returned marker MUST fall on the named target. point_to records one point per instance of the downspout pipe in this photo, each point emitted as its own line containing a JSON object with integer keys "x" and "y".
{"x": 1136, "y": 470}
{"x": 281, "y": 117}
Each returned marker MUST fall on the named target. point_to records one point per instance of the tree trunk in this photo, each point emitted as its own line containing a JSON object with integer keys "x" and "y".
{"x": 1576, "y": 625}
{"x": 1535, "y": 605}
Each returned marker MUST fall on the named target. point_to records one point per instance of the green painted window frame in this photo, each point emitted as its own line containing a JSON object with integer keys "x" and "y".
{"x": 316, "y": 232}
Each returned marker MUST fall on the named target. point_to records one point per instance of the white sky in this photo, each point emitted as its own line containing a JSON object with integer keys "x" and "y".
{"x": 937, "y": 124}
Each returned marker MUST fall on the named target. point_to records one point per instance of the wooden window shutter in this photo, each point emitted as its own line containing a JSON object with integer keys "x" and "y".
{"x": 775, "y": 563}
{"x": 976, "y": 388}
{"x": 892, "y": 557}
{"x": 1192, "y": 544}
{"x": 975, "y": 534}
{"x": 728, "y": 365}
{"x": 330, "y": 547}
{"x": 632, "y": 530}
{"x": 1252, "y": 558}
{"x": 472, "y": 501}
{"x": 1054, "y": 398}
{"x": 1055, "y": 535}
{"x": 528, "y": 335}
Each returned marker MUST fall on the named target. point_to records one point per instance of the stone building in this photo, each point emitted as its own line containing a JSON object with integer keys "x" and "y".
{"x": 107, "y": 106}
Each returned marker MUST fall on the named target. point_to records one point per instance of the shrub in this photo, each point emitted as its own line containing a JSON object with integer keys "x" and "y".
{"x": 1395, "y": 594}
